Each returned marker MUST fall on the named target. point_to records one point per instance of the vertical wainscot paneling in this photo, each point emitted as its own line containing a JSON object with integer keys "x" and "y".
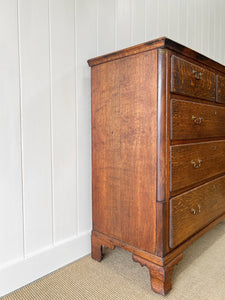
{"x": 183, "y": 22}
{"x": 162, "y": 14}
{"x": 173, "y": 19}
{"x": 138, "y": 21}
{"x": 62, "y": 53}
{"x": 45, "y": 114}
{"x": 86, "y": 41}
{"x": 219, "y": 32}
{"x": 36, "y": 140}
{"x": 106, "y": 26}
{"x": 11, "y": 218}
{"x": 151, "y": 25}
{"x": 123, "y": 26}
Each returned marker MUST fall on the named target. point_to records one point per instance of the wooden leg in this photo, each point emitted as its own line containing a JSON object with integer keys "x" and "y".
{"x": 160, "y": 275}
{"x": 96, "y": 248}
{"x": 97, "y": 245}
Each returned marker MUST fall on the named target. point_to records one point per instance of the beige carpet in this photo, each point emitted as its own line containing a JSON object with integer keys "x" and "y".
{"x": 200, "y": 275}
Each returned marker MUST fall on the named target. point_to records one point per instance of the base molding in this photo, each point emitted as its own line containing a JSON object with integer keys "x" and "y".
{"x": 159, "y": 270}
{"x": 24, "y": 271}
{"x": 161, "y": 276}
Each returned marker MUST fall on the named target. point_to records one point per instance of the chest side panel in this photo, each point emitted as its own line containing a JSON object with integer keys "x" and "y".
{"x": 124, "y": 146}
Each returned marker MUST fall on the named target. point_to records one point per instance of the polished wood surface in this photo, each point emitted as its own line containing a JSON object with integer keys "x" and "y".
{"x": 192, "y": 120}
{"x": 191, "y": 211}
{"x": 124, "y": 116}
{"x": 195, "y": 162}
{"x": 221, "y": 89}
{"x": 158, "y": 148}
{"x": 160, "y": 276}
{"x": 159, "y": 43}
{"x": 192, "y": 80}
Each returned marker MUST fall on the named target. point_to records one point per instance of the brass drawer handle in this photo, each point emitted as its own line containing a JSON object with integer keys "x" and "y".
{"x": 196, "y": 165}
{"x": 196, "y": 212}
{"x": 198, "y": 75}
{"x": 196, "y": 120}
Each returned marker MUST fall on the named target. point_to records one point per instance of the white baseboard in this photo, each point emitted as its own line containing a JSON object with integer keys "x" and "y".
{"x": 22, "y": 272}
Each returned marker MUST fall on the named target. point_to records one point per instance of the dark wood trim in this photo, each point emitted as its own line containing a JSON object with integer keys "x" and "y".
{"x": 162, "y": 42}
{"x": 197, "y": 100}
{"x": 110, "y": 242}
{"x": 191, "y": 240}
{"x": 202, "y": 140}
{"x": 161, "y": 130}
{"x": 189, "y": 187}
{"x": 161, "y": 206}
{"x": 161, "y": 276}
{"x": 154, "y": 44}
{"x": 174, "y": 46}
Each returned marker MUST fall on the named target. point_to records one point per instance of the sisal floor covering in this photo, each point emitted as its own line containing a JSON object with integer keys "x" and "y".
{"x": 200, "y": 275}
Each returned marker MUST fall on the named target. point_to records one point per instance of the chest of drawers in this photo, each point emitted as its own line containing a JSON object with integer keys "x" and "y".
{"x": 158, "y": 153}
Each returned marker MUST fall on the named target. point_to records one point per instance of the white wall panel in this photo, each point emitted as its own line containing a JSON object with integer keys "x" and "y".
{"x": 45, "y": 167}
{"x": 212, "y": 32}
{"x": 219, "y": 32}
{"x": 152, "y": 26}
{"x": 106, "y": 26}
{"x": 198, "y": 24}
{"x": 62, "y": 42}
{"x": 11, "y": 218}
{"x": 124, "y": 17}
{"x": 86, "y": 41}
{"x": 138, "y": 21}
{"x": 35, "y": 87}
{"x": 183, "y": 22}
{"x": 173, "y": 19}
{"x": 162, "y": 14}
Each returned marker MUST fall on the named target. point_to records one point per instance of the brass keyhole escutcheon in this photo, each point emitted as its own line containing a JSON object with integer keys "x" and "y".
{"x": 198, "y": 75}
{"x": 197, "y": 120}
{"x": 197, "y": 164}
{"x": 196, "y": 211}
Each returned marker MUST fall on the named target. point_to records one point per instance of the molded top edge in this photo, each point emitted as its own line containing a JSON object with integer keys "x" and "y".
{"x": 162, "y": 42}
{"x": 157, "y": 43}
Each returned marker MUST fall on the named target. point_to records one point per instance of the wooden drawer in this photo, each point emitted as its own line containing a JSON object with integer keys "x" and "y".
{"x": 192, "y": 120}
{"x": 192, "y": 80}
{"x": 191, "y": 211}
{"x": 195, "y": 162}
{"x": 221, "y": 89}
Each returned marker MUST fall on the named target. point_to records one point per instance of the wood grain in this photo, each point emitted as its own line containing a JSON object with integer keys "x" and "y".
{"x": 192, "y": 80}
{"x": 162, "y": 42}
{"x": 183, "y": 222}
{"x": 220, "y": 89}
{"x": 183, "y": 125}
{"x": 111, "y": 242}
{"x": 162, "y": 155}
{"x": 149, "y": 144}
{"x": 123, "y": 139}
{"x": 161, "y": 276}
{"x": 209, "y": 158}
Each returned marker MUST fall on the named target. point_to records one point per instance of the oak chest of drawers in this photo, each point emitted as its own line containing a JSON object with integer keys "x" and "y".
{"x": 158, "y": 152}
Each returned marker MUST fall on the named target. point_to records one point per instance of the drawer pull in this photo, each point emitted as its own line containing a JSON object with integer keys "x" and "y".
{"x": 196, "y": 120}
{"x": 198, "y": 75}
{"x": 196, "y": 212}
{"x": 196, "y": 165}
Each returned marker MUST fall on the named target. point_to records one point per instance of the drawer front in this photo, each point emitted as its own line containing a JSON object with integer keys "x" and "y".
{"x": 191, "y": 211}
{"x": 195, "y": 162}
{"x": 192, "y": 80}
{"x": 192, "y": 120}
{"x": 221, "y": 89}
